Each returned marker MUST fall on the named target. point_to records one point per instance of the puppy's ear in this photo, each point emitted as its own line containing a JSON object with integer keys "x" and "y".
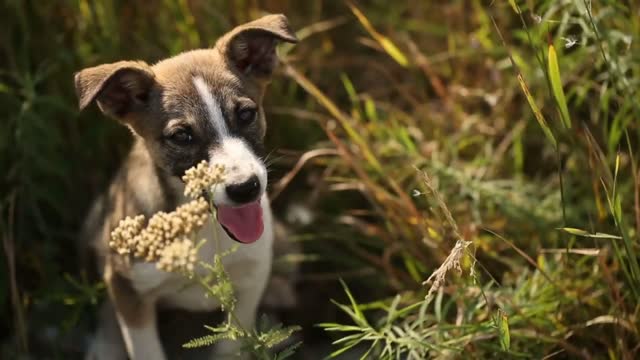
{"x": 119, "y": 88}
{"x": 251, "y": 47}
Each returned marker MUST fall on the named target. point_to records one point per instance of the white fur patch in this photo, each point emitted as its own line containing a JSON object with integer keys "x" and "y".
{"x": 146, "y": 276}
{"x": 240, "y": 164}
{"x": 234, "y": 154}
{"x": 213, "y": 108}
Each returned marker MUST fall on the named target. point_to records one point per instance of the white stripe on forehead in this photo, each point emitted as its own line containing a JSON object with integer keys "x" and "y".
{"x": 213, "y": 108}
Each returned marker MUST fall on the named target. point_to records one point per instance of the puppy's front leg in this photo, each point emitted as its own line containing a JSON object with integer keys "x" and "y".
{"x": 107, "y": 343}
{"x": 137, "y": 320}
{"x": 142, "y": 342}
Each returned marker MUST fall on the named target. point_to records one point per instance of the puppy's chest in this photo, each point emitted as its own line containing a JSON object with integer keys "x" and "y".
{"x": 146, "y": 278}
{"x": 179, "y": 291}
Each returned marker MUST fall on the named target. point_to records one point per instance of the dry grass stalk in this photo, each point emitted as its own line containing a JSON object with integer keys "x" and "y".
{"x": 452, "y": 261}
{"x": 438, "y": 277}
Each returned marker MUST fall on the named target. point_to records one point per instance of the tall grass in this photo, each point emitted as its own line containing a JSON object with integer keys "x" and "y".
{"x": 532, "y": 291}
{"x": 521, "y": 113}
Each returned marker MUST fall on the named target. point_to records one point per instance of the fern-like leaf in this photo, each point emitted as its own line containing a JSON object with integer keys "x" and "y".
{"x": 275, "y": 336}
{"x": 288, "y": 352}
{"x": 206, "y": 340}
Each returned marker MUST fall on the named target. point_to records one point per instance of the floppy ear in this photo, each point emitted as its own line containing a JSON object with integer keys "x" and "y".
{"x": 251, "y": 47}
{"x": 119, "y": 88}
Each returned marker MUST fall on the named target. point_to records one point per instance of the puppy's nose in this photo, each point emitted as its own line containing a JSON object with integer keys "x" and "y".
{"x": 245, "y": 192}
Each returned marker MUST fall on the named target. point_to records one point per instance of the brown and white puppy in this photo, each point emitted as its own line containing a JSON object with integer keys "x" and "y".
{"x": 199, "y": 105}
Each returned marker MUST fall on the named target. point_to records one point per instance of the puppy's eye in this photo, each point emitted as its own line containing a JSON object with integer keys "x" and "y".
{"x": 181, "y": 137}
{"x": 246, "y": 116}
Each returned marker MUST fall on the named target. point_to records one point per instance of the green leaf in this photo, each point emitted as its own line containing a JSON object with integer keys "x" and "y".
{"x": 615, "y": 174}
{"x": 349, "y": 88}
{"x": 354, "y": 304}
{"x": 502, "y": 323}
{"x": 370, "y": 110}
{"x": 584, "y": 233}
{"x": 222, "y": 288}
{"x": 536, "y": 111}
{"x": 288, "y": 352}
{"x": 211, "y": 339}
{"x": 514, "y": 6}
{"x": 556, "y": 86}
{"x": 277, "y": 335}
{"x": 386, "y": 44}
{"x": 345, "y": 348}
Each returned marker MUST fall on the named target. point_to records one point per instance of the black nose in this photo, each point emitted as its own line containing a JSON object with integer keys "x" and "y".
{"x": 245, "y": 192}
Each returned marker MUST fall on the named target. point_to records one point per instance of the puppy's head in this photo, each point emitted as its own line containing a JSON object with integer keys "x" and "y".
{"x": 201, "y": 105}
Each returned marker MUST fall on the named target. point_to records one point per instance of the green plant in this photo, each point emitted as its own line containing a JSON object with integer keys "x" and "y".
{"x": 499, "y": 177}
{"x": 260, "y": 341}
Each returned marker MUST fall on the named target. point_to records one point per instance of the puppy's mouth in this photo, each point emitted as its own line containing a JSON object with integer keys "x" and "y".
{"x": 244, "y": 223}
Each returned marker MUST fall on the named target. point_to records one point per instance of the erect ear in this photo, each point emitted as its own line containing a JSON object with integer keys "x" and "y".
{"x": 119, "y": 88}
{"x": 251, "y": 47}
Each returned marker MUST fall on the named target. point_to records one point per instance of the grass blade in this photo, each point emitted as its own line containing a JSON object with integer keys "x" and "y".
{"x": 514, "y": 6}
{"x": 525, "y": 89}
{"x": 584, "y": 233}
{"x": 386, "y": 44}
{"x": 556, "y": 86}
{"x": 502, "y": 323}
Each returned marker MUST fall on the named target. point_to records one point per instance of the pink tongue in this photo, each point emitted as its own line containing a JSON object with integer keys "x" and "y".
{"x": 245, "y": 223}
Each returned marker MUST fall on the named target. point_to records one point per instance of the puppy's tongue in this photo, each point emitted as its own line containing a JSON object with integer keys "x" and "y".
{"x": 244, "y": 223}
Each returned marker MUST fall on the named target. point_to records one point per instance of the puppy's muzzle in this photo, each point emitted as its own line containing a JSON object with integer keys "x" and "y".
{"x": 245, "y": 192}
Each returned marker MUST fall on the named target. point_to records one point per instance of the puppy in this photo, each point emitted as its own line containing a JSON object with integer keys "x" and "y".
{"x": 199, "y": 105}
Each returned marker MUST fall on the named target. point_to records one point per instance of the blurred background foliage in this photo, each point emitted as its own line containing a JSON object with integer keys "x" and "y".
{"x": 531, "y": 168}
